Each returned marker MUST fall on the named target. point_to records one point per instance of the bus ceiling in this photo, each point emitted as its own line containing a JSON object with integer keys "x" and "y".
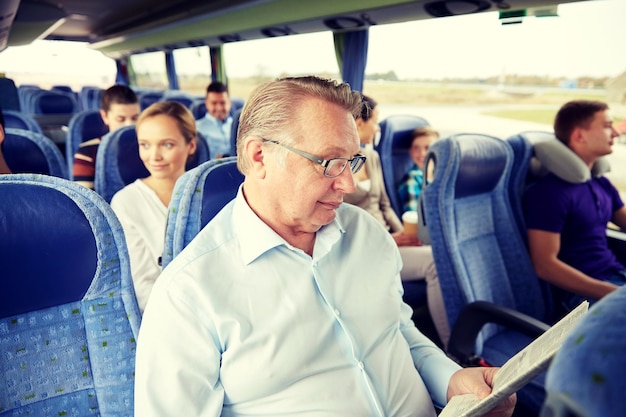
{"x": 120, "y": 28}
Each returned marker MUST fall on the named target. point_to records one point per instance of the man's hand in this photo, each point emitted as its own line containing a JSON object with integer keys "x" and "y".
{"x": 478, "y": 381}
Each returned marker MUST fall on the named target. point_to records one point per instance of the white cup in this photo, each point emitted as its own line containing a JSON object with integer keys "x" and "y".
{"x": 409, "y": 221}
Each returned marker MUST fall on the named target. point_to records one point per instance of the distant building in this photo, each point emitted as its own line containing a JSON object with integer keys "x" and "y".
{"x": 616, "y": 89}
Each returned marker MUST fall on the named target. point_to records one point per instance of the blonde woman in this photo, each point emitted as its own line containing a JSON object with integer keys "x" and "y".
{"x": 166, "y": 134}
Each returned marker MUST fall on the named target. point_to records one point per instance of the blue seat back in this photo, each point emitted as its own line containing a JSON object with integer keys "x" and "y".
{"x": 53, "y": 102}
{"x": 32, "y": 152}
{"x": 198, "y": 109}
{"x": 178, "y": 96}
{"x": 521, "y": 176}
{"x": 198, "y": 196}
{"x": 587, "y": 377}
{"x": 24, "y": 93}
{"x": 83, "y": 126}
{"x": 146, "y": 98}
{"x": 19, "y": 120}
{"x": 477, "y": 247}
{"x": 478, "y": 251}
{"x": 9, "y": 97}
{"x": 90, "y": 97}
{"x": 233, "y": 132}
{"x": 118, "y": 163}
{"x": 393, "y": 148}
{"x": 68, "y": 314}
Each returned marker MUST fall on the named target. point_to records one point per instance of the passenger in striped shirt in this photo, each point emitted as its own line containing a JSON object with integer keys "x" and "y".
{"x": 119, "y": 107}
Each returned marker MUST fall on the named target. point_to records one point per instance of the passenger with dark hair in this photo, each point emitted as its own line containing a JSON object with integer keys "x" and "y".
{"x": 166, "y": 133}
{"x": 119, "y": 107}
{"x": 370, "y": 194}
{"x": 4, "y": 168}
{"x": 216, "y": 124}
{"x": 412, "y": 183}
{"x": 288, "y": 302}
{"x": 567, "y": 222}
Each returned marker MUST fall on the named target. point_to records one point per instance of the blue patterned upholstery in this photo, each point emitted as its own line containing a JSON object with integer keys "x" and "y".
{"x": 198, "y": 196}
{"x": 118, "y": 163}
{"x": 68, "y": 314}
{"x": 393, "y": 147}
{"x": 32, "y": 152}
{"x": 478, "y": 250}
{"x": 587, "y": 377}
{"x": 18, "y": 120}
{"x": 84, "y": 126}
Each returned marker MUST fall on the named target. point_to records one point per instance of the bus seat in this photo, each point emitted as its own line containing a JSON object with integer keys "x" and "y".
{"x": 393, "y": 147}
{"x": 19, "y": 120}
{"x": 233, "y": 132}
{"x": 485, "y": 272}
{"x": 146, "y": 98}
{"x": 237, "y": 104}
{"x": 586, "y": 377}
{"x": 178, "y": 96}
{"x": 53, "y": 102}
{"x": 83, "y": 126}
{"x": 198, "y": 196}
{"x": 24, "y": 93}
{"x": 198, "y": 108}
{"x": 118, "y": 163}
{"x": 9, "y": 97}
{"x": 90, "y": 97}
{"x": 62, "y": 88}
{"x": 68, "y": 314}
{"x": 31, "y": 152}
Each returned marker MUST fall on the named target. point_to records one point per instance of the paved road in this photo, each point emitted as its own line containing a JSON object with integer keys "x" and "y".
{"x": 468, "y": 119}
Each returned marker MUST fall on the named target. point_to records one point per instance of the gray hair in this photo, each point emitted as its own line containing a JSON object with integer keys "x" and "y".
{"x": 272, "y": 109}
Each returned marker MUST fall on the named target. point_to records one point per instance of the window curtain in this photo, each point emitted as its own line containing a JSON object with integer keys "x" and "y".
{"x": 351, "y": 52}
{"x": 170, "y": 67}
{"x": 218, "y": 66}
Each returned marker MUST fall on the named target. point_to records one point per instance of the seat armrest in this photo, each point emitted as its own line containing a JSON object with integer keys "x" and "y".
{"x": 472, "y": 319}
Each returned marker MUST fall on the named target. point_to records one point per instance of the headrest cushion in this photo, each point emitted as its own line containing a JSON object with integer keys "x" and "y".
{"x": 552, "y": 155}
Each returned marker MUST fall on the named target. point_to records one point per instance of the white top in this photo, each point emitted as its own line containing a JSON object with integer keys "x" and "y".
{"x": 143, "y": 217}
{"x": 243, "y": 324}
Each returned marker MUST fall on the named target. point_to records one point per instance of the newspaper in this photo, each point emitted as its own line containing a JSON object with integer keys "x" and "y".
{"x": 517, "y": 371}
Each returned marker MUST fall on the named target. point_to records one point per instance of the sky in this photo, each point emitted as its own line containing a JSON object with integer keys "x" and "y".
{"x": 587, "y": 39}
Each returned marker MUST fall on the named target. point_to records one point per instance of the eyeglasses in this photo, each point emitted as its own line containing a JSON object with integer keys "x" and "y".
{"x": 332, "y": 167}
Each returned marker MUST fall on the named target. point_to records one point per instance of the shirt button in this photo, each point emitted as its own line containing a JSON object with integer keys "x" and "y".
{"x": 337, "y": 312}
{"x": 361, "y": 366}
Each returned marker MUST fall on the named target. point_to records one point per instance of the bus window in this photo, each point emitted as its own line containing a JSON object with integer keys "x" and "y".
{"x": 50, "y": 63}
{"x": 149, "y": 71}
{"x": 251, "y": 63}
{"x": 193, "y": 66}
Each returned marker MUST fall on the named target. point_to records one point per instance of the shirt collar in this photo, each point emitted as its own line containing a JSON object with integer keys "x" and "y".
{"x": 256, "y": 237}
{"x": 208, "y": 116}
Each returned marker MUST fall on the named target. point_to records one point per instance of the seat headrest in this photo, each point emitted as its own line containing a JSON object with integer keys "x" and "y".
{"x": 483, "y": 162}
{"x": 552, "y": 155}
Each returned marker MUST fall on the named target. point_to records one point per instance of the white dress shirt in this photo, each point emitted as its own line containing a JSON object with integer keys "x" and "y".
{"x": 217, "y": 133}
{"x": 243, "y": 324}
{"x": 143, "y": 217}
